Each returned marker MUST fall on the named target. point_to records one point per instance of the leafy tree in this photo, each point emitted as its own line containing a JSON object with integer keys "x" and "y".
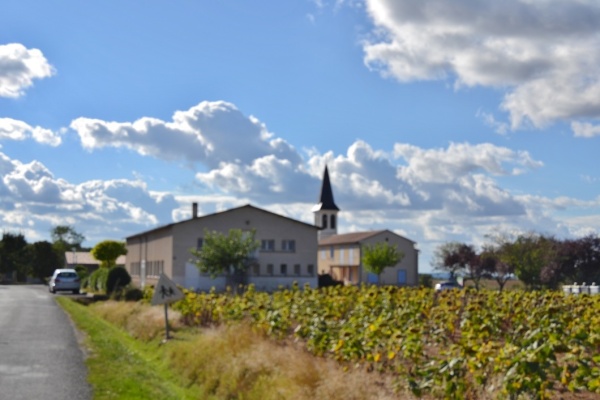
{"x": 494, "y": 267}
{"x": 42, "y": 259}
{"x": 65, "y": 238}
{"x": 379, "y": 256}
{"x": 581, "y": 259}
{"x": 529, "y": 254}
{"x": 230, "y": 253}
{"x": 108, "y": 251}
{"x": 13, "y": 255}
{"x": 452, "y": 257}
{"x": 472, "y": 262}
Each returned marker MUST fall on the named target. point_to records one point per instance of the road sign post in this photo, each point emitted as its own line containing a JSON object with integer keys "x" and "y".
{"x": 165, "y": 292}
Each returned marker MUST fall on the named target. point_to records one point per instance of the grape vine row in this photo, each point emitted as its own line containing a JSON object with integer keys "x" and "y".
{"x": 450, "y": 344}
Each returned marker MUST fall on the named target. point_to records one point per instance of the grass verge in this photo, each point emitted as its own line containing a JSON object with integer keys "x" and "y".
{"x": 127, "y": 361}
{"x": 121, "y": 367}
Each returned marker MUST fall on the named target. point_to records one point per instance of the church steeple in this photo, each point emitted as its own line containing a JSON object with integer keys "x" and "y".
{"x": 326, "y": 210}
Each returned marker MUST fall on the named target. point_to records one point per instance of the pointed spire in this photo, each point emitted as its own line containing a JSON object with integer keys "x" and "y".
{"x": 326, "y": 200}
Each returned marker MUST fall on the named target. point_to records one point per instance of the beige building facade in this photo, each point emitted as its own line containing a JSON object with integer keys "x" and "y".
{"x": 340, "y": 256}
{"x": 287, "y": 253}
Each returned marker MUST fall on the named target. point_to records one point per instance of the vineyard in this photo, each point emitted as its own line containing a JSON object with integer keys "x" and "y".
{"x": 451, "y": 344}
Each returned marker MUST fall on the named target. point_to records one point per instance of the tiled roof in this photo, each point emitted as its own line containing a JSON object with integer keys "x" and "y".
{"x": 168, "y": 226}
{"x": 85, "y": 258}
{"x": 348, "y": 238}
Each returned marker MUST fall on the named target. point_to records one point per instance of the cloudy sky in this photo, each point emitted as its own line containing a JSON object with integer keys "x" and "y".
{"x": 443, "y": 121}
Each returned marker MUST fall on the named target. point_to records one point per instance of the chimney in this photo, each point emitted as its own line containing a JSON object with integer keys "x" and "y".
{"x": 194, "y": 210}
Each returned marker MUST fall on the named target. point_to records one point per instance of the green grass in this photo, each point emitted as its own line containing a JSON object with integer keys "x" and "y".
{"x": 120, "y": 367}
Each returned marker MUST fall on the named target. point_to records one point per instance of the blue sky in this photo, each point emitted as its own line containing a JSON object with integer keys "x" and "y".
{"x": 443, "y": 121}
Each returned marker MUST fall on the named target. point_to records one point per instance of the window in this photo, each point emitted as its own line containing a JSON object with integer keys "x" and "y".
{"x": 283, "y": 269}
{"x": 372, "y": 278}
{"x": 323, "y": 254}
{"x": 341, "y": 255}
{"x": 296, "y": 269}
{"x": 267, "y": 245}
{"x": 256, "y": 269}
{"x": 332, "y": 220}
{"x": 324, "y": 222}
{"x": 199, "y": 243}
{"x": 331, "y": 252}
{"x": 402, "y": 277}
{"x": 288, "y": 245}
{"x": 155, "y": 268}
{"x": 310, "y": 269}
{"x": 135, "y": 268}
{"x": 351, "y": 256}
{"x": 269, "y": 269}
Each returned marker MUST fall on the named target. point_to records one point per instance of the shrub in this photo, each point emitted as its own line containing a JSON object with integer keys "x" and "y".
{"x": 117, "y": 279}
{"x": 97, "y": 280}
{"x": 426, "y": 280}
{"x": 327, "y": 280}
{"x": 133, "y": 294}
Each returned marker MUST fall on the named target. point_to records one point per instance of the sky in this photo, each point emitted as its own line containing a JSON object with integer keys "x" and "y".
{"x": 441, "y": 121}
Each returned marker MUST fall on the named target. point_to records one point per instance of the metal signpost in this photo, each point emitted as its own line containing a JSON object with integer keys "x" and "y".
{"x": 165, "y": 292}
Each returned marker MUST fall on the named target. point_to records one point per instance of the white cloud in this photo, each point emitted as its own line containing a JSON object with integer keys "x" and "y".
{"x": 447, "y": 165}
{"x": 585, "y": 129}
{"x": 546, "y": 54}
{"x": 33, "y": 201}
{"x": 19, "y": 66}
{"x": 209, "y": 133}
{"x": 18, "y": 130}
{"x": 244, "y": 159}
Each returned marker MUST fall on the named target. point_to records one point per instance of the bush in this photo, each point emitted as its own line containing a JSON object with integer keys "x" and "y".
{"x": 327, "y": 280}
{"x": 118, "y": 278}
{"x": 426, "y": 280}
{"x": 96, "y": 282}
{"x": 133, "y": 294}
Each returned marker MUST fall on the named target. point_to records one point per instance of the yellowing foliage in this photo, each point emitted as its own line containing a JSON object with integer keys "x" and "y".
{"x": 451, "y": 344}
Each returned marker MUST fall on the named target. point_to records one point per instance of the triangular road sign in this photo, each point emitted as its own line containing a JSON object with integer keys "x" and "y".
{"x": 166, "y": 291}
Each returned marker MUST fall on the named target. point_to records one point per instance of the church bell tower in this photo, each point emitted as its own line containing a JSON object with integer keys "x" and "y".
{"x": 325, "y": 210}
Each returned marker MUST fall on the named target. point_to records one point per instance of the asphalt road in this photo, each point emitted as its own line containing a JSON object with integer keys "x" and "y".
{"x": 40, "y": 357}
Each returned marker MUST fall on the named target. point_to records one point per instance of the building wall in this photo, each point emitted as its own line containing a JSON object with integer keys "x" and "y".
{"x": 200, "y": 282}
{"x": 268, "y": 227}
{"x": 409, "y": 263}
{"x": 332, "y": 258}
{"x": 155, "y": 249}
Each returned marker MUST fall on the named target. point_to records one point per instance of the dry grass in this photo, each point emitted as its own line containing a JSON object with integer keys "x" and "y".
{"x": 231, "y": 361}
{"x": 141, "y": 321}
{"x": 236, "y": 362}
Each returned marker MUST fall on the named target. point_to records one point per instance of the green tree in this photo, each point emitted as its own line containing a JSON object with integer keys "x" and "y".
{"x": 379, "y": 256}
{"x": 230, "y": 253}
{"x": 108, "y": 251}
{"x": 13, "y": 255}
{"x": 528, "y": 255}
{"x": 42, "y": 259}
{"x": 65, "y": 238}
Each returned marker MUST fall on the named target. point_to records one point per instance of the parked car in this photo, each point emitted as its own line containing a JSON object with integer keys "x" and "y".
{"x": 447, "y": 285}
{"x": 64, "y": 279}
